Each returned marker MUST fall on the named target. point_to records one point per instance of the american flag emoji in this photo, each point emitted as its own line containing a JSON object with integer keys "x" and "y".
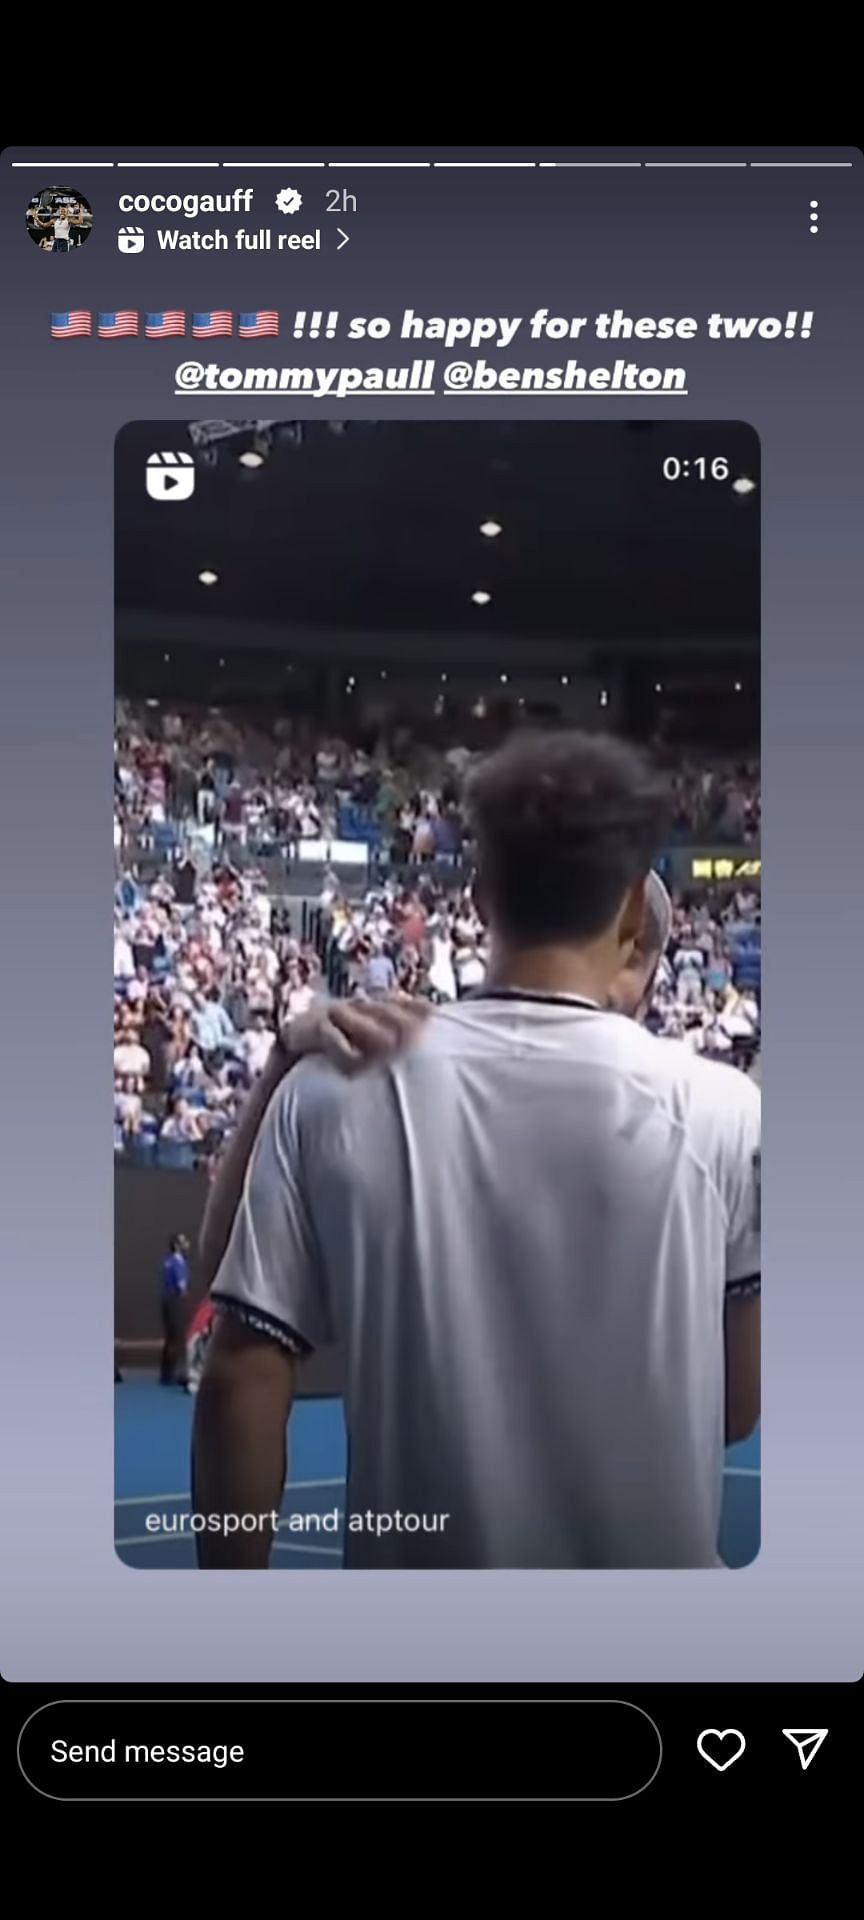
{"x": 112, "y": 325}
{"x": 64, "y": 326}
{"x": 158, "y": 326}
{"x": 251, "y": 326}
{"x": 205, "y": 326}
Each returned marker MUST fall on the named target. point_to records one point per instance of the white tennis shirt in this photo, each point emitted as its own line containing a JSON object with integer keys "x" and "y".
{"x": 521, "y": 1231}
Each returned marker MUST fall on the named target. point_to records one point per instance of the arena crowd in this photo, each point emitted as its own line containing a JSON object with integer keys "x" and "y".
{"x": 207, "y": 965}
{"x": 270, "y": 785}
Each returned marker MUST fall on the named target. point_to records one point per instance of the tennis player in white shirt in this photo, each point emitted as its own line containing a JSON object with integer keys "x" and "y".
{"x": 61, "y": 224}
{"x": 534, "y": 1233}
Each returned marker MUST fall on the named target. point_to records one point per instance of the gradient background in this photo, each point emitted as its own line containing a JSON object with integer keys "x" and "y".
{"x": 499, "y": 241}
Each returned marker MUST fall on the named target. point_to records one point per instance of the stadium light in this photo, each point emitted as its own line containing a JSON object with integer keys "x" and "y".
{"x": 481, "y": 598}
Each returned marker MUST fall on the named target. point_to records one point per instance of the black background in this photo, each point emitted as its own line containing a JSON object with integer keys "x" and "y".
{"x": 353, "y": 1745}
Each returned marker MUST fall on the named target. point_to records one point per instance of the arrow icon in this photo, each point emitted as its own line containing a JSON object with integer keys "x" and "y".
{"x": 344, "y": 240}
{"x": 808, "y": 1740}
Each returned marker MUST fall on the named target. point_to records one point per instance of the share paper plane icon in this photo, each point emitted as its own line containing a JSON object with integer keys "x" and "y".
{"x": 808, "y": 1740}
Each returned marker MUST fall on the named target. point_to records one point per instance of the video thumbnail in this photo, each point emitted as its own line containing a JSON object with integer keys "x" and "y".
{"x": 437, "y": 994}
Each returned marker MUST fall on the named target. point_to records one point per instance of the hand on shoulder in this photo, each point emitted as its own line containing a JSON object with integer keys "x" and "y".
{"x": 353, "y": 1034}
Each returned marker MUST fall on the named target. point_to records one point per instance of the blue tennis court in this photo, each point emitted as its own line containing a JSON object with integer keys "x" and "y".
{"x": 151, "y": 1476}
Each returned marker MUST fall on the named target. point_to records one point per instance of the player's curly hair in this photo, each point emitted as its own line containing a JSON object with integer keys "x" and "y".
{"x": 564, "y": 823}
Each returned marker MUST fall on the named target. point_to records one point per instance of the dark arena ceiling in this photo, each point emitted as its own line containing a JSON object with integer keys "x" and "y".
{"x": 376, "y": 527}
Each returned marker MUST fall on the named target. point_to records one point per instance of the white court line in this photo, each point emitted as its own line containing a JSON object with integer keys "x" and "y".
{"x": 150, "y": 1540}
{"x": 291, "y": 1486}
{"x": 301, "y": 1486}
{"x": 147, "y": 1539}
{"x": 146, "y": 1499}
{"x": 331, "y": 1553}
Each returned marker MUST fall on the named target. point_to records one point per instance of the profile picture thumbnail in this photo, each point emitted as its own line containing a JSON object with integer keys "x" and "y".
{"x": 59, "y": 218}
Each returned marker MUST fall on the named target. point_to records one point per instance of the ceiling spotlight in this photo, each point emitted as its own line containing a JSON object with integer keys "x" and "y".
{"x": 658, "y": 687}
{"x": 151, "y": 703}
{"x": 504, "y": 679}
{"x": 481, "y": 598}
{"x": 383, "y": 675}
{"x": 166, "y": 657}
{"x": 490, "y": 529}
{"x": 743, "y": 485}
{"x": 444, "y": 678}
{"x": 604, "y": 698}
{"x": 221, "y": 663}
{"x": 565, "y": 679}
{"x": 207, "y": 578}
{"x": 251, "y": 458}
{"x": 737, "y": 686}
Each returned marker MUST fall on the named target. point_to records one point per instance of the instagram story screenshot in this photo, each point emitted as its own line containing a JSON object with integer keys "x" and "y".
{"x": 433, "y": 599}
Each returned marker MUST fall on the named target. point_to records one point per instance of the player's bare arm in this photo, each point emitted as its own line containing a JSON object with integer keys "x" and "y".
{"x": 238, "y": 1454}
{"x": 743, "y": 1341}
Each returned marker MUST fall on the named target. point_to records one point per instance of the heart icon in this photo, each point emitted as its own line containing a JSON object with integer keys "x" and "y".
{"x": 721, "y": 1750}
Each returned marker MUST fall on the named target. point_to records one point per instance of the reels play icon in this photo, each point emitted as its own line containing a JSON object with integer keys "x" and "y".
{"x": 170, "y": 476}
